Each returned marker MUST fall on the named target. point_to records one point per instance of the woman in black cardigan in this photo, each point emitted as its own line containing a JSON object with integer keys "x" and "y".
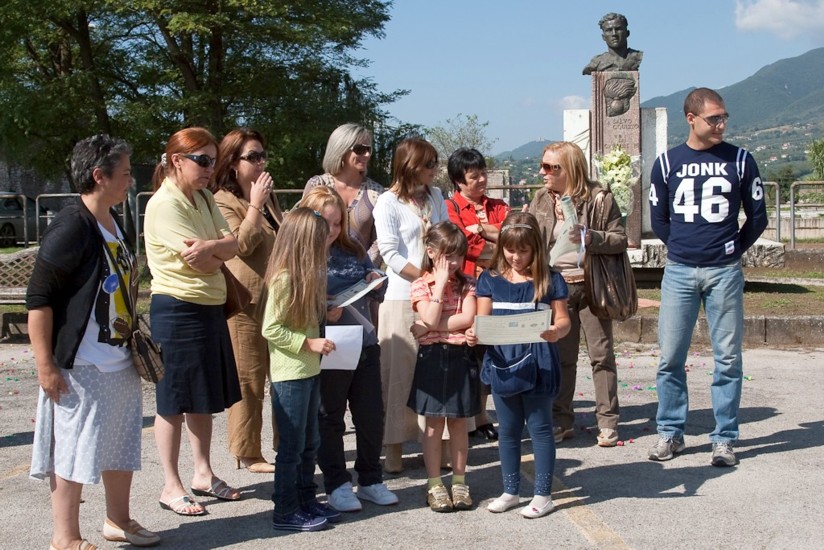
{"x": 80, "y": 299}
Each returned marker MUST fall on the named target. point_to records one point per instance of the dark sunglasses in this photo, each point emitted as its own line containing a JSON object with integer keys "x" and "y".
{"x": 204, "y": 160}
{"x": 361, "y": 149}
{"x": 716, "y": 120}
{"x": 432, "y": 164}
{"x": 549, "y": 168}
{"x": 254, "y": 157}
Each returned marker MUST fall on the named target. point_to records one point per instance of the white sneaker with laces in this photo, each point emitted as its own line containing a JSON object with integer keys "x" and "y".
{"x": 343, "y": 499}
{"x": 377, "y": 493}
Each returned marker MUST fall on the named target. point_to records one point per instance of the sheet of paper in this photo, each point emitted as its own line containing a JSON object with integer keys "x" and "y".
{"x": 523, "y": 328}
{"x": 354, "y": 293}
{"x": 348, "y": 341}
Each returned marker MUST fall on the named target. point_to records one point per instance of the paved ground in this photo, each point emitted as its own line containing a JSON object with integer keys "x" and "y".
{"x": 607, "y": 498}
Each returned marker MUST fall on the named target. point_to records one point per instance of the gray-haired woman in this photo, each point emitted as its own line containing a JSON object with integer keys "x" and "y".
{"x": 344, "y": 164}
{"x": 90, "y": 409}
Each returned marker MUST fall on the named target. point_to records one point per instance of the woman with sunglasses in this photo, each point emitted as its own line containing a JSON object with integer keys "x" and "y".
{"x": 565, "y": 171}
{"x": 347, "y": 155}
{"x": 187, "y": 240}
{"x": 402, "y": 216}
{"x": 243, "y": 193}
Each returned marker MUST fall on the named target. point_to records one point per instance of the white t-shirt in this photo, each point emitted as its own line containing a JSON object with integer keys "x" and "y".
{"x": 103, "y": 345}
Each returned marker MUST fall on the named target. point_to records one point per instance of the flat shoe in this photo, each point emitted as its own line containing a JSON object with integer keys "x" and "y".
{"x": 134, "y": 534}
{"x": 487, "y": 431}
{"x": 532, "y": 512}
{"x": 179, "y": 505}
{"x": 219, "y": 489}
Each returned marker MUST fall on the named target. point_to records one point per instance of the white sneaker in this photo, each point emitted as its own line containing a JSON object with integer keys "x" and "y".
{"x": 343, "y": 499}
{"x": 377, "y": 493}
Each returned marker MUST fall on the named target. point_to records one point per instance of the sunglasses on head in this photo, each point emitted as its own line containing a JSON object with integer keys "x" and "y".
{"x": 204, "y": 160}
{"x": 254, "y": 156}
{"x": 549, "y": 168}
{"x": 361, "y": 149}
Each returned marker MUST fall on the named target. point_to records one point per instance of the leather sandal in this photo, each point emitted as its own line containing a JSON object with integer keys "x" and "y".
{"x": 219, "y": 489}
{"x": 84, "y": 545}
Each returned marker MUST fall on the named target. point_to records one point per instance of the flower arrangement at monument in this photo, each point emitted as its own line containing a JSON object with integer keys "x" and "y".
{"x": 618, "y": 172}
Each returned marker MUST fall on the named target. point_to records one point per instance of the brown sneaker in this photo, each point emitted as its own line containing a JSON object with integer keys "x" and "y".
{"x": 438, "y": 499}
{"x": 460, "y": 497}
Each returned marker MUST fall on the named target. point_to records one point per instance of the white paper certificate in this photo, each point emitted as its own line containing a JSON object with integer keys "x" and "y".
{"x": 348, "y": 341}
{"x": 523, "y": 328}
{"x": 354, "y": 293}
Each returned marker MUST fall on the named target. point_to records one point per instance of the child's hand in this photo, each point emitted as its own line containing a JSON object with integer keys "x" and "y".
{"x": 333, "y": 315}
{"x": 471, "y": 339}
{"x": 371, "y": 276}
{"x": 323, "y": 346}
{"x": 418, "y": 329}
{"x": 441, "y": 271}
{"x": 550, "y": 334}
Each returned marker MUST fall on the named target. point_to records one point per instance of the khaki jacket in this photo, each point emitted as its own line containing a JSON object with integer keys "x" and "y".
{"x": 254, "y": 245}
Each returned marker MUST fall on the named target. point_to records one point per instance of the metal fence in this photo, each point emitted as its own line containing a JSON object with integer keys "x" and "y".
{"x": 133, "y": 212}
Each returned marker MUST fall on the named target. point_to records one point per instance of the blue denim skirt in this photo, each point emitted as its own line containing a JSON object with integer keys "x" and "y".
{"x": 447, "y": 382}
{"x": 200, "y": 374}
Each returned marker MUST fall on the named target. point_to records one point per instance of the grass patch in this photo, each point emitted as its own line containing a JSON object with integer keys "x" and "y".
{"x": 761, "y": 298}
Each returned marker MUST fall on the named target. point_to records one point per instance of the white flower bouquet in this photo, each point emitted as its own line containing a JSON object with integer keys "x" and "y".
{"x": 618, "y": 172}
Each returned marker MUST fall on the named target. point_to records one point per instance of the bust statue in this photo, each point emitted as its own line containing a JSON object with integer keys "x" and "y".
{"x": 618, "y": 56}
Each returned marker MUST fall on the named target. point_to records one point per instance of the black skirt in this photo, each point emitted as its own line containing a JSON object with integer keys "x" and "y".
{"x": 200, "y": 374}
{"x": 446, "y": 383}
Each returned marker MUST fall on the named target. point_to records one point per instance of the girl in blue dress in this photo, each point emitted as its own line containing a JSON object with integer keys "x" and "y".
{"x": 519, "y": 281}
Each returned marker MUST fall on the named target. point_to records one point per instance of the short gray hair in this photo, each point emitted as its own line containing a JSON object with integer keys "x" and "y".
{"x": 340, "y": 143}
{"x": 99, "y": 151}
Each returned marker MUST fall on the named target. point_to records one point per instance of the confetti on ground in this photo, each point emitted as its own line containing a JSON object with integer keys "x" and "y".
{"x": 636, "y": 388}
{"x": 620, "y": 443}
{"x": 747, "y": 377}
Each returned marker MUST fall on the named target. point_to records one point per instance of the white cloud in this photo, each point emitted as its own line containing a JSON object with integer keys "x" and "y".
{"x": 785, "y": 18}
{"x": 574, "y": 102}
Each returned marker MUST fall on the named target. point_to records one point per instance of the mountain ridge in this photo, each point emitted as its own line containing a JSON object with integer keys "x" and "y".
{"x": 788, "y": 93}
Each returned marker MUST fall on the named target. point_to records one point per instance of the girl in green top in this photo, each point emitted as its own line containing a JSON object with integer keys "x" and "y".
{"x": 295, "y": 309}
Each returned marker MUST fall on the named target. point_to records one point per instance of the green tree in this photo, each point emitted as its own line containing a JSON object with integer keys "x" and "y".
{"x": 144, "y": 69}
{"x": 816, "y": 158}
{"x": 784, "y": 177}
{"x": 462, "y": 131}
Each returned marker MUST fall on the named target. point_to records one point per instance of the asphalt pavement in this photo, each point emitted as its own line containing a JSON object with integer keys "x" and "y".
{"x": 605, "y": 498}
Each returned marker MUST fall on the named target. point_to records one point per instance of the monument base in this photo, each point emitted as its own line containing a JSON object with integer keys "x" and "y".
{"x": 653, "y": 254}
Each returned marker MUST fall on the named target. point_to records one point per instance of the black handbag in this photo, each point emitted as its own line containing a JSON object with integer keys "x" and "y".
{"x": 609, "y": 284}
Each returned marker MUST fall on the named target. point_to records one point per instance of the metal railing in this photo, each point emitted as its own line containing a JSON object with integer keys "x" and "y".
{"x": 138, "y": 208}
{"x": 793, "y": 205}
{"x": 24, "y": 199}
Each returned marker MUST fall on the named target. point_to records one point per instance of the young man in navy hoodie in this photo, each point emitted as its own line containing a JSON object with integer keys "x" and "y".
{"x": 697, "y": 190}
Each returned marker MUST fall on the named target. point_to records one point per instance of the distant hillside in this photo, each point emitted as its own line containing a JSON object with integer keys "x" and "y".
{"x": 775, "y": 113}
{"x": 531, "y": 150}
{"x": 789, "y": 92}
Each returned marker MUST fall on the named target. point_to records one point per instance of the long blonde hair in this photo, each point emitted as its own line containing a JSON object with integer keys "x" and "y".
{"x": 520, "y": 231}
{"x": 320, "y": 197}
{"x": 300, "y": 252}
{"x": 574, "y": 164}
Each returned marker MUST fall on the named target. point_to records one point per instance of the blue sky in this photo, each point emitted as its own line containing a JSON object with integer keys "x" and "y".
{"x": 517, "y": 63}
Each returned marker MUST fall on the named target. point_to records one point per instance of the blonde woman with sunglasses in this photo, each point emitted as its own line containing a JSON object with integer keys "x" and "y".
{"x": 345, "y": 162}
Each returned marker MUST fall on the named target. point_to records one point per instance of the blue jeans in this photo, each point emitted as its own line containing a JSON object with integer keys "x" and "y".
{"x": 683, "y": 290}
{"x": 295, "y": 404}
{"x": 536, "y": 411}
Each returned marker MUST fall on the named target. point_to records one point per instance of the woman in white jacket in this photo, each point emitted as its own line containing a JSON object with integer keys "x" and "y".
{"x": 402, "y": 216}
